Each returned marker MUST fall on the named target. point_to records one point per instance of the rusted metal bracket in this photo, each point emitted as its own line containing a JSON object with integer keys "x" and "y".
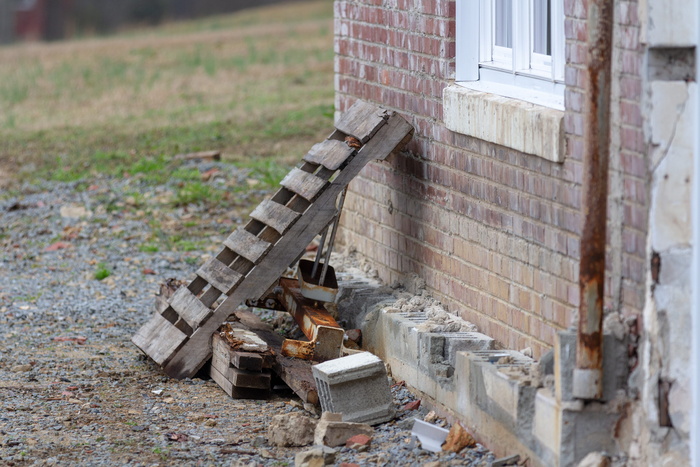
{"x": 324, "y": 334}
{"x": 269, "y": 303}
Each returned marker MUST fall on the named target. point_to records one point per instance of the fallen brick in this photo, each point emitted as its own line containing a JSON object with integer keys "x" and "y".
{"x": 413, "y": 405}
{"x": 359, "y": 442}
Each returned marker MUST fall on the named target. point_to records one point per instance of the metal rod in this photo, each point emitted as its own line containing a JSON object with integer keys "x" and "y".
{"x": 319, "y": 252}
{"x": 333, "y": 232}
{"x": 588, "y": 374}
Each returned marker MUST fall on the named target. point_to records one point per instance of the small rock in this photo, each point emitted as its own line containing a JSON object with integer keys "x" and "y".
{"x": 21, "y": 368}
{"x": 265, "y": 454}
{"x": 74, "y": 211}
{"x": 318, "y": 456}
{"x": 430, "y": 417}
{"x": 527, "y": 351}
{"x": 594, "y": 459}
{"x": 210, "y": 422}
{"x": 458, "y": 439}
{"x": 291, "y": 430}
{"x": 434, "y": 464}
{"x": 258, "y": 441}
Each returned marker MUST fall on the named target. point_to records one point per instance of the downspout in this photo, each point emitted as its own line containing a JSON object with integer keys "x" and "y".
{"x": 588, "y": 374}
{"x": 695, "y": 265}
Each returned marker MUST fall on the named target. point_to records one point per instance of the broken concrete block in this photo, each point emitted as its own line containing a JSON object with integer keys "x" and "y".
{"x": 458, "y": 439}
{"x": 356, "y": 386}
{"x": 315, "y": 457}
{"x": 332, "y": 432}
{"x": 291, "y": 430}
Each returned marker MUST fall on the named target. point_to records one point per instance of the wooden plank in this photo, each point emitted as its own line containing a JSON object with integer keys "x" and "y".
{"x": 247, "y": 245}
{"x": 223, "y": 278}
{"x": 249, "y": 361}
{"x": 189, "y": 308}
{"x": 250, "y": 379}
{"x": 330, "y": 153}
{"x": 293, "y": 371}
{"x": 197, "y": 350}
{"x": 362, "y": 120}
{"x": 158, "y": 338}
{"x": 275, "y": 215}
{"x": 303, "y": 183}
{"x": 236, "y": 393}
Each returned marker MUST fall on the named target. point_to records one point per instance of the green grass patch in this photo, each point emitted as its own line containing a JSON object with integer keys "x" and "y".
{"x": 102, "y": 272}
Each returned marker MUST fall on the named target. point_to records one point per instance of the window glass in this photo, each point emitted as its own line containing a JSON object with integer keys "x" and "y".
{"x": 503, "y": 27}
{"x": 542, "y": 32}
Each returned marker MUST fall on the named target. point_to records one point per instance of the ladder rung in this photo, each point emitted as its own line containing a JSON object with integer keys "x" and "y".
{"x": 330, "y": 153}
{"x": 189, "y": 308}
{"x": 219, "y": 275}
{"x": 275, "y": 215}
{"x": 247, "y": 245}
{"x": 362, "y": 120}
{"x": 303, "y": 183}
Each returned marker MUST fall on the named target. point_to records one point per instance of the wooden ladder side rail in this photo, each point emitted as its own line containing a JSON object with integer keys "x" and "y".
{"x": 196, "y": 350}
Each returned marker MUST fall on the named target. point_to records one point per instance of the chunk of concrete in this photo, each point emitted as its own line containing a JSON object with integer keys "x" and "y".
{"x": 315, "y": 457}
{"x": 332, "y": 433}
{"x": 356, "y": 386}
{"x": 291, "y": 430}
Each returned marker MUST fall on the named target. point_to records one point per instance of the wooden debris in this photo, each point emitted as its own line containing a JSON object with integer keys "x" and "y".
{"x": 214, "y": 155}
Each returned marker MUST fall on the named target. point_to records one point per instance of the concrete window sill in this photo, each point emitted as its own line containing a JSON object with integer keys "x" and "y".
{"x": 530, "y": 128}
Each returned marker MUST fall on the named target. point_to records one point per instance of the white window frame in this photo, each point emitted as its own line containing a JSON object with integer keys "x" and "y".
{"x": 518, "y": 74}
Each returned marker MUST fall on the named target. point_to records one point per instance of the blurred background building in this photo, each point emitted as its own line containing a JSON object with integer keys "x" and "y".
{"x": 32, "y": 20}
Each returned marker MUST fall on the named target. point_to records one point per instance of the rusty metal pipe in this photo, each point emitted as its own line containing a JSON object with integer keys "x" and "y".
{"x": 319, "y": 252}
{"x": 332, "y": 239}
{"x": 588, "y": 374}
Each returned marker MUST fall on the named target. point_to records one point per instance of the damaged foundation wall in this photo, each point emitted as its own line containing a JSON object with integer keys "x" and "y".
{"x": 657, "y": 429}
{"x": 494, "y": 231}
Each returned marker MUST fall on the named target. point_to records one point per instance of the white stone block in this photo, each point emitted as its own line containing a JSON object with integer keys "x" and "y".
{"x": 356, "y": 386}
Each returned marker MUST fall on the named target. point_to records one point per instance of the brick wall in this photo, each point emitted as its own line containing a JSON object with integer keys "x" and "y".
{"x": 494, "y": 232}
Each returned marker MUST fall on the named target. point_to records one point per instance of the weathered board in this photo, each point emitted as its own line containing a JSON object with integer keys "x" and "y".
{"x": 330, "y": 153}
{"x": 219, "y": 275}
{"x": 247, "y": 245}
{"x": 303, "y": 183}
{"x": 189, "y": 307}
{"x": 293, "y": 371}
{"x": 231, "y": 390}
{"x": 362, "y": 120}
{"x": 296, "y": 231}
{"x": 159, "y": 338}
{"x": 275, "y": 215}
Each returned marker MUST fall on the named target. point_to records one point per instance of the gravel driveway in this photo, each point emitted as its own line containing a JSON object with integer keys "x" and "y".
{"x": 78, "y": 274}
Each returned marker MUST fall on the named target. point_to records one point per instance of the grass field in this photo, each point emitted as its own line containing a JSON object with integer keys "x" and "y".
{"x": 257, "y": 85}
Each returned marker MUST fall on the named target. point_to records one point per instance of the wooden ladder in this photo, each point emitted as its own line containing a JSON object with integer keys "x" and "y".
{"x": 255, "y": 256}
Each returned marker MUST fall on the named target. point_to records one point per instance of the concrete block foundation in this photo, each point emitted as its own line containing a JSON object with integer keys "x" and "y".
{"x": 496, "y": 394}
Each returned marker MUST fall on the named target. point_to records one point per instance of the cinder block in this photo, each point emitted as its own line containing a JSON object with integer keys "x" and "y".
{"x": 356, "y": 386}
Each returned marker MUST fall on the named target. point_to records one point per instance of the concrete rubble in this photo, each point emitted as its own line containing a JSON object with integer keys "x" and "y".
{"x": 291, "y": 430}
{"x": 332, "y": 431}
{"x": 316, "y": 457}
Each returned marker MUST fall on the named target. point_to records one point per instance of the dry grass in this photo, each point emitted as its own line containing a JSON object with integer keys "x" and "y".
{"x": 255, "y": 84}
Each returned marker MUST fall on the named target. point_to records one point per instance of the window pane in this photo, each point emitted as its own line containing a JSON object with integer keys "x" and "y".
{"x": 503, "y": 27}
{"x": 542, "y": 30}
